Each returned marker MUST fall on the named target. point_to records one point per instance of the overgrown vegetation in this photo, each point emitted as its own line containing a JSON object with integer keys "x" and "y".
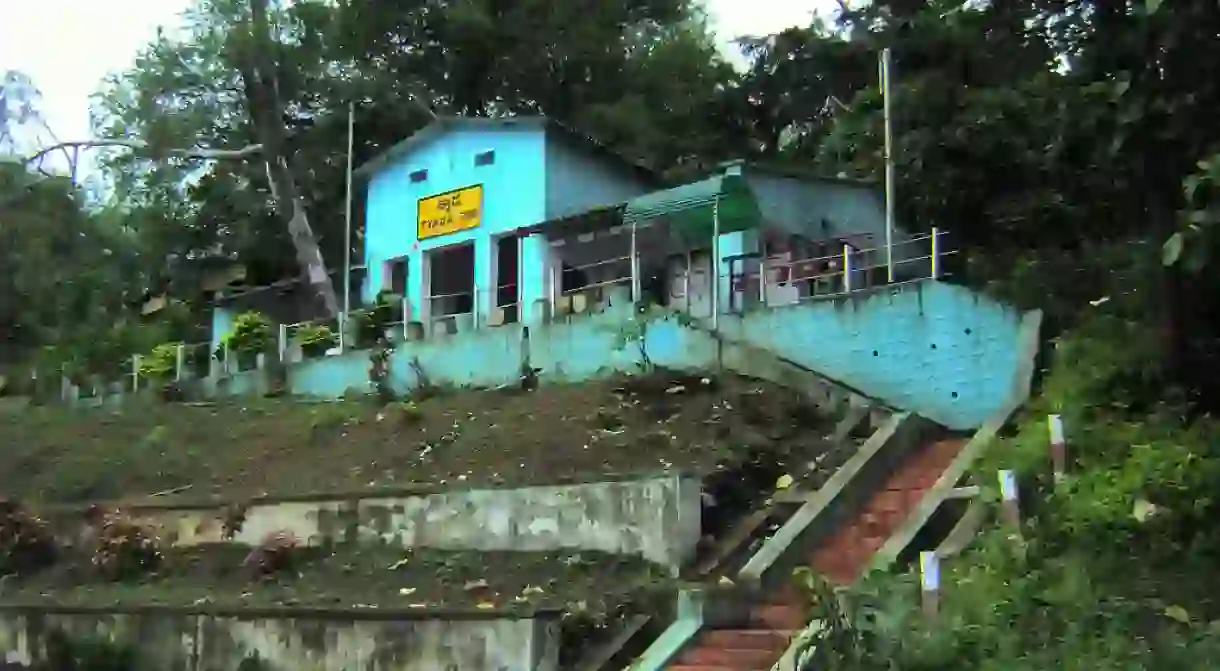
{"x": 1109, "y": 572}
{"x": 26, "y": 542}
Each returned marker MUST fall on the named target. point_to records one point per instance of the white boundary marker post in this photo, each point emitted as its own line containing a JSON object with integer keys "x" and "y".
{"x": 1010, "y": 505}
{"x": 1058, "y": 447}
{"x": 929, "y": 571}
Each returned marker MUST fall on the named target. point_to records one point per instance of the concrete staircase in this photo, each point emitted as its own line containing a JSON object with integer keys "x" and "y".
{"x": 757, "y": 642}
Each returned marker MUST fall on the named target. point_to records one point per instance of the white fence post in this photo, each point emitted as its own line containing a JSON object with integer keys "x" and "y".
{"x": 935, "y": 253}
{"x": 135, "y": 372}
{"x": 179, "y": 361}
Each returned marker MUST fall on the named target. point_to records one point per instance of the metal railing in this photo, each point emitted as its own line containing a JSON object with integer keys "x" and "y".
{"x": 850, "y": 269}
{"x": 614, "y": 272}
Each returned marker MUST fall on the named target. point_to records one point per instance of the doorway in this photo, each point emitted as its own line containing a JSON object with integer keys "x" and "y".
{"x": 506, "y": 309}
{"x": 450, "y": 281}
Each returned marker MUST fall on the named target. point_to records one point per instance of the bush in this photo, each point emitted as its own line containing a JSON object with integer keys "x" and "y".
{"x": 252, "y": 335}
{"x": 26, "y": 543}
{"x": 160, "y": 364}
{"x": 316, "y": 339}
{"x": 123, "y": 549}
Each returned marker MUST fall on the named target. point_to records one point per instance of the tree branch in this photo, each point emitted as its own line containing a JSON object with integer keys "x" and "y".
{"x": 142, "y": 146}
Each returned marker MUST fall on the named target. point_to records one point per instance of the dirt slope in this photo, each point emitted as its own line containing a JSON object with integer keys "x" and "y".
{"x": 499, "y": 438}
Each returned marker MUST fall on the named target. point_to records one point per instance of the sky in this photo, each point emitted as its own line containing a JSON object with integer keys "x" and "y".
{"x": 91, "y": 39}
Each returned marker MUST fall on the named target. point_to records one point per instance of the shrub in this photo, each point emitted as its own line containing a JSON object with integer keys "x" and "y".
{"x": 252, "y": 335}
{"x": 26, "y": 543}
{"x": 275, "y": 554}
{"x": 123, "y": 548}
{"x": 315, "y": 339}
{"x": 159, "y": 364}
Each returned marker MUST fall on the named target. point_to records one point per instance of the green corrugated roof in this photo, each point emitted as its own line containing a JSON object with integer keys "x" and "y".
{"x": 688, "y": 209}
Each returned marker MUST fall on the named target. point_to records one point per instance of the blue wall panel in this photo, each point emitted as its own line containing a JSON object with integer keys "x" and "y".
{"x": 937, "y": 349}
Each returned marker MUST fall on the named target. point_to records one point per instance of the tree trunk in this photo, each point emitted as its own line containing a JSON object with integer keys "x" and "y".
{"x": 258, "y": 69}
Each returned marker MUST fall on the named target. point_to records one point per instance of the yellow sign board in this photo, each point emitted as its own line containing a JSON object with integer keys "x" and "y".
{"x": 449, "y": 212}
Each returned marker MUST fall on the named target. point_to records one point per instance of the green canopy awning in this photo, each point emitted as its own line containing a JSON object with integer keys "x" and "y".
{"x": 689, "y": 210}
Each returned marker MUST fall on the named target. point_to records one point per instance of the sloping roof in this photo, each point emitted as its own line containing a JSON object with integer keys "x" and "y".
{"x": 443, "y": 125}
{"x": 694, "y": 211}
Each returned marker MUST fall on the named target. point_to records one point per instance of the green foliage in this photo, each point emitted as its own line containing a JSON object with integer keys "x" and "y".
{"x": 160, "y": 364}
{"x": 252, "y": 334}
{"x": 316, "y": 338}
{"x": 1109, "y": 573}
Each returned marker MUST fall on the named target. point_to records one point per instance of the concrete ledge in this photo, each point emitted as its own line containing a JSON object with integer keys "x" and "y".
{"x": 203, "y": 642}
{"x": 839, "y": 498}
{"x": 656, "y": 518}
{"x": 370, "y": 614}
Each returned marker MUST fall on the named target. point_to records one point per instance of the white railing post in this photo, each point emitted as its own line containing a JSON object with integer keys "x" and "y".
{"x": 474, "y": 317}
{"x": 283, "y": 342}
{"x": 762, "y": 276}
{"x": 179, "y": 361}
{"x": 935, "y": 253}
{"x": 686, "y": 281}
{"x": 135, "y": 372}
{"x": 846, "y": 268}
{"x": 635, "y": 267}
{"x": 224, "y": 365}
{"x": 555, "y": 290}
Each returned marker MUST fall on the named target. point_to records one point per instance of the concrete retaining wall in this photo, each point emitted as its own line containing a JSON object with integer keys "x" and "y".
{"x": 184, "y": 642}
{"x": 655, "y": 518}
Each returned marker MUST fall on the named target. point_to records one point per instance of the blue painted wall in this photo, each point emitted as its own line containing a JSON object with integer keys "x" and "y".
{"x": 538, "y": 174}
{"x": 937, "y": 349}
{"x": 513, "y": 196}
{"x": 222, "y": 324}
{"x": 934, "y": 348}
{"x": 578, "y": 181}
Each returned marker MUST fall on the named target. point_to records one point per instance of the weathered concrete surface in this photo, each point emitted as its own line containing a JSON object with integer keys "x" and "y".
{"x": 205, "y": 643}
{"x": 656, "y": 518}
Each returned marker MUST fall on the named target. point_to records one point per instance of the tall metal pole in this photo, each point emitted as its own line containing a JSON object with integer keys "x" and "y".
{"x": 347, "y": 229}
{"x": 715, "y": 262}
{"x": 889, "y": 167}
